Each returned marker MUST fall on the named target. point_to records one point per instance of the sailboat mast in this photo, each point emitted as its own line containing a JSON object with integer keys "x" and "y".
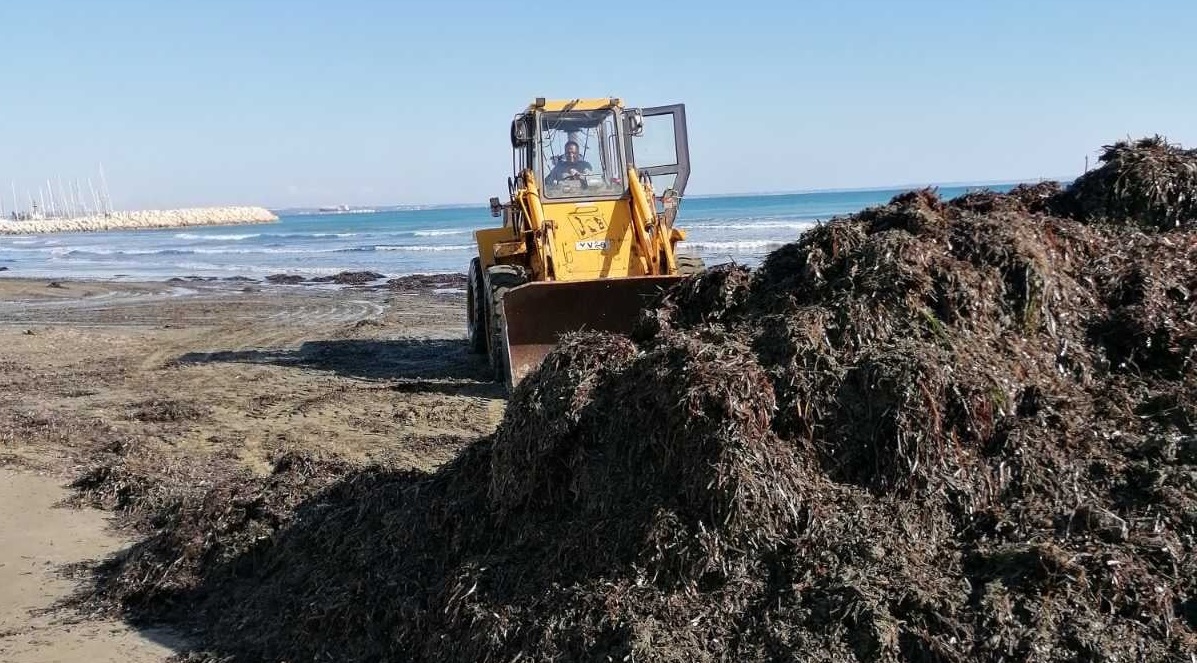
{"x": 65, "y": 198}
{"x": 94, "y": 198}
{"x": 104, "y": 187}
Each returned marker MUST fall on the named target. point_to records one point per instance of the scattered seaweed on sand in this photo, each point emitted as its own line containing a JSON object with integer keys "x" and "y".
{"x": 935, "y": 430}
{"x": 412, "y": 282}
{"x": 285, "y": 279}
{"x": 350, "y": 278}
{"x": 160, "y": 410}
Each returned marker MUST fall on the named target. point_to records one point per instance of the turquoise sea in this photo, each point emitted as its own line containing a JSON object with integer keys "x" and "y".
{"x": 740, "y": 228}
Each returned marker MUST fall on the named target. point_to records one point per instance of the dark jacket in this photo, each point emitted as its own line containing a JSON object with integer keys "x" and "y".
{"x": 563, "y": 167}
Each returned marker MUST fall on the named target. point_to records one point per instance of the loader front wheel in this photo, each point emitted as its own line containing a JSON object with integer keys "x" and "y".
{"x": 688, "y": 264}
{"x": 476, "y": 317}
{"x": 500, "y": 279}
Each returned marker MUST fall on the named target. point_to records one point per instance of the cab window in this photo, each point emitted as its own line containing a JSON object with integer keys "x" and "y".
{"x": 579, "y": 155}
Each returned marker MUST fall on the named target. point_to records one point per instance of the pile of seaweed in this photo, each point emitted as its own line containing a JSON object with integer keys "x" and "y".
{"x": 1149, "y": 182}
{"x": 958, "y": 430}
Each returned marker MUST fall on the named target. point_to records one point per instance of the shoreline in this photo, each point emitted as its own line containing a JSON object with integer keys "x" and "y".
{"x": 142, "y": 220}
{"x": 285, "y": 278}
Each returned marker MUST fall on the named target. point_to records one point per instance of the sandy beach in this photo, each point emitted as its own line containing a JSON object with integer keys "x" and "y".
{"x": 198, "y": 373}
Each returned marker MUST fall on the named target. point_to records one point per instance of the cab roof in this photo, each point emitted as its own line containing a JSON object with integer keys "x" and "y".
{"x": 543, "y": 104}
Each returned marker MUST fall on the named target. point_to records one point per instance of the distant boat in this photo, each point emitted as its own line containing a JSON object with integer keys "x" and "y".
{"x": 344, "y": 209}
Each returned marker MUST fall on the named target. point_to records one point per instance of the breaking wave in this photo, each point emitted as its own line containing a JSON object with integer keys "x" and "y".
{"x": 216, "y": 238}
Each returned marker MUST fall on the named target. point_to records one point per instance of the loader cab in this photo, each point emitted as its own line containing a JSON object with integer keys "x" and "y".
{"x": 579, "y": 154}
{"x": 607, "y": 136}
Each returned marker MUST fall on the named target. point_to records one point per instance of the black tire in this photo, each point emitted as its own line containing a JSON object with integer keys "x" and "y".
{"x": 500, "y": 279}
{"x": 476, "y": 324}
{"x": 688, "y": 264}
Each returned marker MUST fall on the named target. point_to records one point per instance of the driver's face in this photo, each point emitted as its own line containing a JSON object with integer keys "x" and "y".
{"x": 571, "y": 152}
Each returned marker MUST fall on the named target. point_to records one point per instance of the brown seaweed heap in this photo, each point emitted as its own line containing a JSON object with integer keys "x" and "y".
{"x": 1148, "y": 182}
{"x": 931, "y": 431}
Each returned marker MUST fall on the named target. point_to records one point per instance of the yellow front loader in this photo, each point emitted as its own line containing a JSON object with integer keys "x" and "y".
{"x": 587, "y": 234}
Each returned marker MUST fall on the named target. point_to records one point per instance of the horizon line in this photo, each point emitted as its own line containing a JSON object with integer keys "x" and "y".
{"x": 732, "y": 194}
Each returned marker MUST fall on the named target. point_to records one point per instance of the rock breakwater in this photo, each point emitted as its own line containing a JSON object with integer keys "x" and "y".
{"x": 174, "y": 218}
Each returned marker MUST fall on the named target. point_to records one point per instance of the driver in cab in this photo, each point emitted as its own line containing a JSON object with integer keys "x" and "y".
{"x": 571, "y": 166}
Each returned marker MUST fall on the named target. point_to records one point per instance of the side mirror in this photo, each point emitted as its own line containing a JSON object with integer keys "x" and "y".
{"x": 496, "y": 207}
{"x": 521, "y": 133}
{"x": 635, "y": 122}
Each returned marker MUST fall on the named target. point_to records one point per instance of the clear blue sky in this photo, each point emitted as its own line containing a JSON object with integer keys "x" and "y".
{"x": 305, "y": 102}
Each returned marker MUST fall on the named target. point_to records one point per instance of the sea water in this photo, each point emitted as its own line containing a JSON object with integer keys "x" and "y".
{"x": 720, "y": 229}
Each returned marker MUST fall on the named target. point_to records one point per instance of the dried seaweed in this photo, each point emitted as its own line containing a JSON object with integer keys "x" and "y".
{"x": 1148, "y": 183}
{"x": 934, "y": 431}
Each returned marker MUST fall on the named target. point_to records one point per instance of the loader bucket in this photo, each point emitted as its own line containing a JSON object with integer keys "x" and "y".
{"x": 536, "y": 314}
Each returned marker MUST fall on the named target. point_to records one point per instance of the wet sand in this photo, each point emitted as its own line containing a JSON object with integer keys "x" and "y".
{"x": 196, "y": 371}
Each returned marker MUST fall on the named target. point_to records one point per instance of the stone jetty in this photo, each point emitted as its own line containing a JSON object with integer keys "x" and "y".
{"x": 172, "y": 218}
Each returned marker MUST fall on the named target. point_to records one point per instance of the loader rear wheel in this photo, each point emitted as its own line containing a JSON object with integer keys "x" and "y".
{"x": 500, "y": 279}
{"x": 688, "y": 264}
{"x": 476, "y": 318}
